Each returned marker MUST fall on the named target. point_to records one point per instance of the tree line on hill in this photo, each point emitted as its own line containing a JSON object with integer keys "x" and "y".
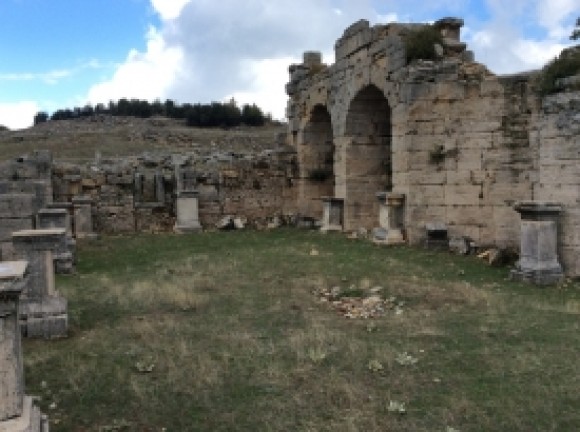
{"x": 216, "y": 114}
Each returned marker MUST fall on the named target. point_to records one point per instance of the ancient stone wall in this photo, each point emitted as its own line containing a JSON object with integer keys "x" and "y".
{"x": 138, "y": 194}
{"x": 462, "y": 144}
{"x": 556, "y": 132}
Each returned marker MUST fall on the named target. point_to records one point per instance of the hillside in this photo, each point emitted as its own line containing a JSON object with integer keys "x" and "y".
{"x": 123, "y": 136}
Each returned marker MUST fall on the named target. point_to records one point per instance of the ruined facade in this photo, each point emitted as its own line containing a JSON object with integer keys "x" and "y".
{"x": 460, "y": 143}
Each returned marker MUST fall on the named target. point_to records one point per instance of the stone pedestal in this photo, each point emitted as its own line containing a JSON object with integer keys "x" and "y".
{"x": 333, "y": 214}
{"x": 43, "y": 312}
{"x": 391, "y": 218}
{"x": 17, "y": 411}
{"x": 538, "y": 261}
{"x": 187, "y": 209}
{"x": 83, "y": 217}
{"x": 65, "y": 255}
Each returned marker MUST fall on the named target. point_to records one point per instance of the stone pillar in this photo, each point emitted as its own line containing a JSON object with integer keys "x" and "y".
{"x": 538, "y": 261}
{"x": 17, "y": 411}
{"x": 12, "y": 280}
{"x": 333, "y": 214}
{"x": 64, "y": 256}
{"x": 391, "y": 218}
{"x": 187, "y": 209}
{"x": 43, "y": 311}
{"x": 83, "y": 217}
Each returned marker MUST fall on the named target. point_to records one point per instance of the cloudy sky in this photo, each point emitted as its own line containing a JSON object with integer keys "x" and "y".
{"x": 66, "y": 53}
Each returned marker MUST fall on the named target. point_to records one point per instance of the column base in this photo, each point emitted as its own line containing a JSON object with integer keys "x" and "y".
{"x": 183, "y": 229}
{"x": 331, "y": 228}
{"x": 44, "y": 318}
{"x": 538, "y": 277}
{"x": 31, "y": 419}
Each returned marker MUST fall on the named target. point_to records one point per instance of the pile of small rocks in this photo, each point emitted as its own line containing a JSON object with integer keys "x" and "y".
{"x": 356, "y": 303}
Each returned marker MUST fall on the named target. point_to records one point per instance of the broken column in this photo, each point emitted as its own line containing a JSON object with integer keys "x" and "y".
{"x": 333, "y": 214}
{"x": 83, "y": 217}
{"x": 64, "y": 256}
{"x": 538, "y": 261}
{"x": 391, "y": 218}
{"x": 43, "y": 312}
{"x": 18, "y": 413}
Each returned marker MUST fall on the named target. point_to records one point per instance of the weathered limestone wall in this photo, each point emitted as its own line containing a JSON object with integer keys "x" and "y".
{"x": 462, "y": 144}
{"x": 556, "y": 133}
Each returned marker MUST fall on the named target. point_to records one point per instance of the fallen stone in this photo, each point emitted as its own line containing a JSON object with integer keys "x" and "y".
{"x": 225, "y": 223}
{"x": 240, "y": 223}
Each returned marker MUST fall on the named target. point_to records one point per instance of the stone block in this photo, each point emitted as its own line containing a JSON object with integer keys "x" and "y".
{"x": 538, "y": 261}
{"x": 9, "y": 225}
{"x": 17, "y": 205}
{"x": 187, "y": 210}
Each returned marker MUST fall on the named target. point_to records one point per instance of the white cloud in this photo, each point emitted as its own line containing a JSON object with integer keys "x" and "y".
{"x": 266, "y": 78}
{"x": 553, "y": 14}
{"x": 142, "y": 75}
{"x": 169, "y": 9}
{"x": 387, "y": 18}
{"x": 18, "y": 115}
{"x": 524, "y": 36}
{"x": 53, "y": 76}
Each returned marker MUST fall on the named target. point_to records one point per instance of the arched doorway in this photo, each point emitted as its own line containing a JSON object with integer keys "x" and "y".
{"x": 368, "y": 167}
{"x": 316, "y": 163}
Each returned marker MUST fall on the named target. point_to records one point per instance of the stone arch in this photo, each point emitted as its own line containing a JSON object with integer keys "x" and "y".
{"x": 367, "y": 156}
{"x": 315, "y": 162}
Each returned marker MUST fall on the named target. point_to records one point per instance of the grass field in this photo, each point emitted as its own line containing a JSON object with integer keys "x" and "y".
{"x": 226, "y": 332}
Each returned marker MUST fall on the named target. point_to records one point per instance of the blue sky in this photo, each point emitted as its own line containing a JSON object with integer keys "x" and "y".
{"x": 66, "y": 53}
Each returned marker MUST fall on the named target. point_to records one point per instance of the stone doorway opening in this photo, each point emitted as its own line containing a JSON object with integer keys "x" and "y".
{"x": 316, "y": 163}
{"x": 367, "y": 151}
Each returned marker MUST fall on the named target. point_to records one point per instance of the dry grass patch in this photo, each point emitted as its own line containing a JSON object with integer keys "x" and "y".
{"x": 224, "y": 332}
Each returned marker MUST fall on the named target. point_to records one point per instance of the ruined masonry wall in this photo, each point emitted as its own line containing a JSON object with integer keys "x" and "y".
{"x": 464, "y": 144}
{"x": 138, "y": 194}
{"x": 556, "y": 133}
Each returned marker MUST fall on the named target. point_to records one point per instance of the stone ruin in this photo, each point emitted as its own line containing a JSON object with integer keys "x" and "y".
{"x": 460, "y": 147}
{"x": 424, "y": 152}
{"x": 434, "y": 152}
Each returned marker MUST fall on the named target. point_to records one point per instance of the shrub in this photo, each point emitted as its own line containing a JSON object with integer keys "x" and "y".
{"x": 420, "y": 43}
{"x": 565, "y": 65}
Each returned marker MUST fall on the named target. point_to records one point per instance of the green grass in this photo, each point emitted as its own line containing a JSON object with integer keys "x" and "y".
{"x": 222, "y": 332}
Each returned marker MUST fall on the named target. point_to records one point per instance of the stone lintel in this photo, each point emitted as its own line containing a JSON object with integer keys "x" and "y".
{"x": 44, "y": 238}
{"x": 538, "y": 210}
{"x": 51, "y": 212}
{"x": 332, "y": 200}
{"x": 60, "y": 205}
{"x": 188, "y": 194}
{"x": 390, "y": 197}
